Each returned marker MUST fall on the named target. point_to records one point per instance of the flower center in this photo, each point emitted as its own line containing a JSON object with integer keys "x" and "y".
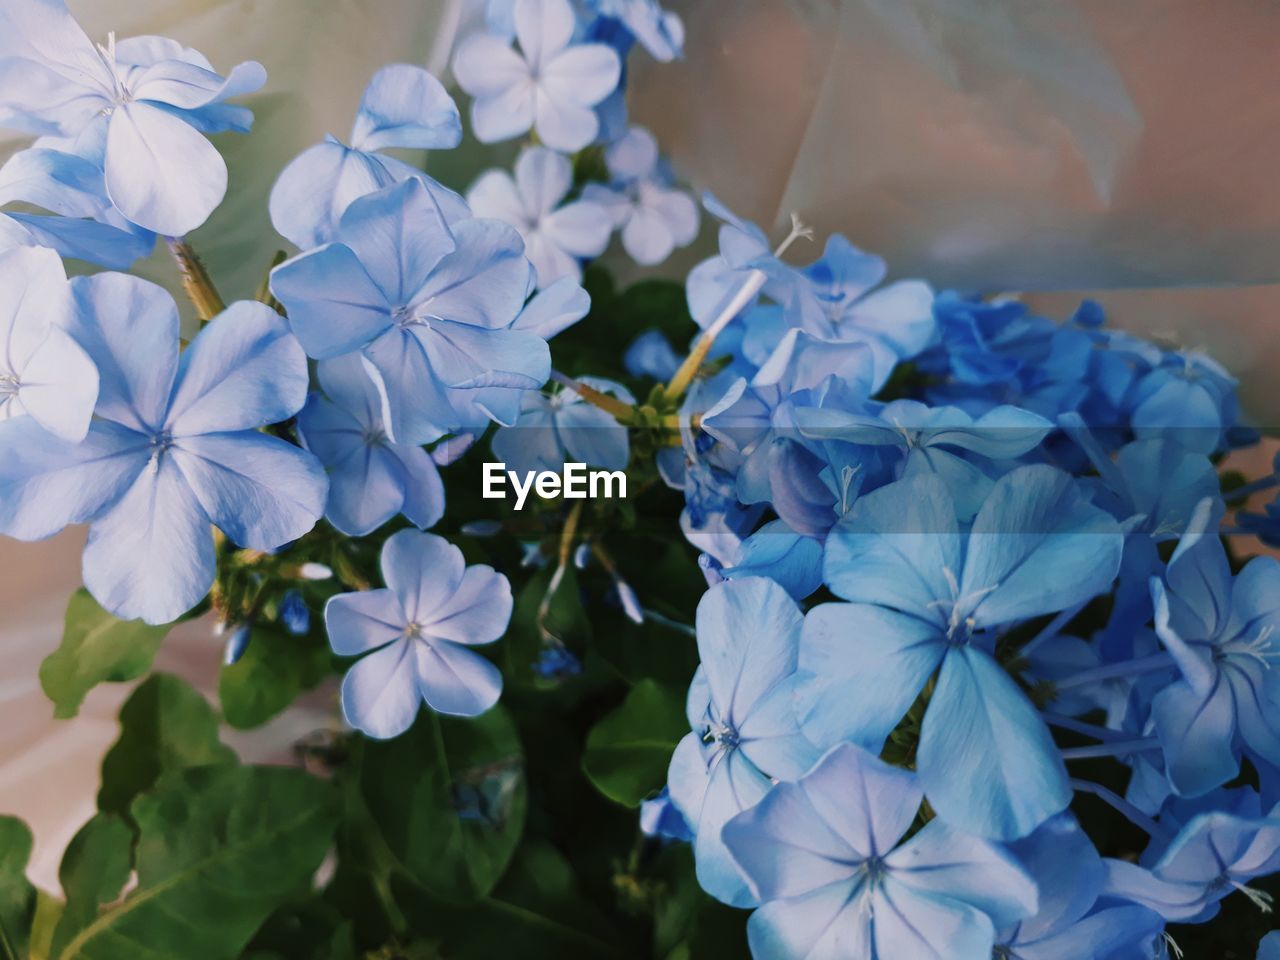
{"x": 722, "y": 734}
{"x": 1258, "y": 648}
{"x": 375, "y": 437}
{"x": 406, "y": 316}
{"x": 9, "y": 385}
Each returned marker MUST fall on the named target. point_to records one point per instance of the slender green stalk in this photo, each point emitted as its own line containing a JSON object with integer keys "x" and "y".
{"x": 196, "y": 280}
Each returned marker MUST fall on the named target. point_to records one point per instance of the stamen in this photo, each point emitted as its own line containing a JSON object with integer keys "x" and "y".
{"x": 1258, "y": 649}
{"x": 846, "y": 479}
{"x": 1172, "y": 944}
{"x": 1259, "y": 898}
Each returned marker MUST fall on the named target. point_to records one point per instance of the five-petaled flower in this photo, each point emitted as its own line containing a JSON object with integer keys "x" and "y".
{"x": 417, "y": 633}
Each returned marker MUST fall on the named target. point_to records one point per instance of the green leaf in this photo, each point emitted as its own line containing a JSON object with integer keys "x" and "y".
{"x": 628, "y": 752}
{"x": 96, "y": 648}
{"x": 537, "y": 912}
{"x": 93, "y": 871}
{"x": 564, "y": 618}
{"x": 274, "y": 669}
{"x": 164, "y": 725}
{"x": 17, "y": 895}
{"x": 219, "y": 849}
{"x": 448, "y": 798}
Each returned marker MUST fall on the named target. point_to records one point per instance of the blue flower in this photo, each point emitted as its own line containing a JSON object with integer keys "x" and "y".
{"x": 660, "y": 818}
{"x": 147, "y": 100}
{"x": 549, "y": 86}
{"x": 926, "y": 592}
{"x": 1074, "y": 920}
{"x": 660, "y": 32}
{"x": 173, "y": 448}
{"x": 44, "y": 373}
{"x": 744, "y": 732}
{"x": 294, "y": 613}
{"x": 743, "y": 248}
{"x": 430, "y": 306}
{"x": 651, "y": 355}
{"x": 825, "y": 858}
{"x": 653, "y": 217}
{"x": 1224, "y": 635}
{"x": 371, "y": 478}
{"x": 1269, "y": 948}
{"x": 563, "y": 428}
{"x": 941, "y": 440}
{"x": 1214, "y": 854}
{"x": 403, "y": 106}
{"x": 776, "y": 551}
{"x": 1189, "y": 398}
{"x": 557, "y": 235}
{"x": 839, "y": 301}
{"x": 417, "y": 633}
{"x": 86, "y": 225}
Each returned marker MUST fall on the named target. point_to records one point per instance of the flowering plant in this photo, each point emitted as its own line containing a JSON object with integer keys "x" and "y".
{"x": 914, "y": 623}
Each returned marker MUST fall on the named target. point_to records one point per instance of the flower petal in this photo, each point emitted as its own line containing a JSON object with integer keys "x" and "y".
{"x": 334, "y": 305}
{"x": 150, "y": 557}
{"x": 405, "y": 106}
{"x": 129, "y": 327}
{"x": 161, "y": 173}
{"x": 244, "y": 370}
{"x": 860, "y": 668}
{"x": 379, "y": 694}
{"x": 47, "y": 483}
{"x": 456, "y": 681}
{"x": 260, "y": 490}
{"x": 986, "y": 759}
{"x": 478, "y": 611}
{"x": 360, "y": 622}
{"x": 423, "y": 570}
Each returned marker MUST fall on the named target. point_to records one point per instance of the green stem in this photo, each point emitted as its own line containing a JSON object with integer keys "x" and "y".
{"x": 196, "y": 280}
{"x": 622, "y": 412}
{"x": 750, "y": 287}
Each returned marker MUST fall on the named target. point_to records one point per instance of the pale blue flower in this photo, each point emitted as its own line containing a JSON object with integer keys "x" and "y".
{"x": 563, "y": 428}
{"x": 418, "y": 633}
{"x": 403, "y": 106}
{"x": 1074, "y": 920}
{"x": 147, "y": 100}
{"x": 660, "y": 32}
{"x": 371, "y": 478}
{"x": 825, "y": 857}
{"x": 1269, "y": 948}
{"x": 927, "y": 591}
{"x": 550, "y": 85}
{"x": 44, "y": 372}
{"x": 744, "y": 731}
{"x": 840, "y": 301}
{"x": 174, "y": 448}
{"x": 651, "y": 355}
{"x": 653, "y": 217}
{"x": 557, "y": 235}
{"x": 294, "y": 614}
{"x": 87, "y": 226}
{"x": 1214, "y": 855}
{"x": 963, "y": 451}
{"x": 1224, "y": 634}
{"x": 431, "y": 307}
{"x": 776, "y": 551}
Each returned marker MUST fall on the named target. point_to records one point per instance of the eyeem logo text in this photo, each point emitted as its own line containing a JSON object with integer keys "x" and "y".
{"x": 576, "y": 482}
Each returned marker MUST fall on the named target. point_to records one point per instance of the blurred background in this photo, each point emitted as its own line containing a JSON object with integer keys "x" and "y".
{"x": 1062, "y": 148}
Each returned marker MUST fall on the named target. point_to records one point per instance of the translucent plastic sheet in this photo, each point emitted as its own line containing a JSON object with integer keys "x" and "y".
{"x": 1020, "y": 144}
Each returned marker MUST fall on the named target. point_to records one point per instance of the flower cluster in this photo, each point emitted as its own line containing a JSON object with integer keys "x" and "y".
{"x": 978, "y": 670}
{"x": 969, "y": 481}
